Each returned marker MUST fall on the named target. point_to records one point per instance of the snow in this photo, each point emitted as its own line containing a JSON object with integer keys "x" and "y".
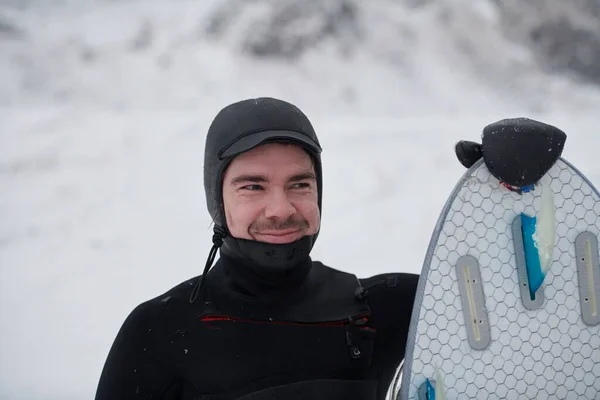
{"x": 101, "y": 161}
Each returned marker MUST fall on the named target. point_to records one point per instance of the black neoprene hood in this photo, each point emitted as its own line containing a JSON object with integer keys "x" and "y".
{"x": 243, "y": 125}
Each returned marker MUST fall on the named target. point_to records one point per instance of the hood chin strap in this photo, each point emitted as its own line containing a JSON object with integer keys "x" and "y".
{"x": 219, "y": 234}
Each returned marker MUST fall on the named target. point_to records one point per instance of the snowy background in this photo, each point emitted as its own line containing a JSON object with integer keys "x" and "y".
{"x": 104, "y": 107}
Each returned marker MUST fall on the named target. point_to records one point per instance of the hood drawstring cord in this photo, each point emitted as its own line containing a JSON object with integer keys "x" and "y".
{"x": 217, "y": 239}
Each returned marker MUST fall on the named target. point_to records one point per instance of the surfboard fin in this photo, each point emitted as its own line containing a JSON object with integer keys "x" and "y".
{"x": 433, "y": 389}
{"x": 440, "y": 392}
{"x": 430, "y": 390}
{"x": 539, "y": 234}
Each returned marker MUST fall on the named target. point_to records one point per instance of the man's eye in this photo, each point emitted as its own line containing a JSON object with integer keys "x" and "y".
{"x": 251, "y": 187}
{"x": 301, "y": 185}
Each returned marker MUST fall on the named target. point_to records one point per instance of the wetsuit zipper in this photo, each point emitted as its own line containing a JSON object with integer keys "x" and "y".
{"x": 360, "y": 320}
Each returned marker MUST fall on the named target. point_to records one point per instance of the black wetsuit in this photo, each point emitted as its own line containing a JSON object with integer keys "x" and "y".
{"x": 316, "y": 333}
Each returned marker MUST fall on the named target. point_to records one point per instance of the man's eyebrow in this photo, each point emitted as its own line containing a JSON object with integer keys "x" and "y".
{"x": 303, "y": 177}
{"x": 249, "y": 178}
{"x": 245, "y": 178}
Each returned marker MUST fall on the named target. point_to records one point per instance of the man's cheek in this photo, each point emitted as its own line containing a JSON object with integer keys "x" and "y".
{"x": 315, "y": 220}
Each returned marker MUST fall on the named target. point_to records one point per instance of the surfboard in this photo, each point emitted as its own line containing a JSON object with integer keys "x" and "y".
{"x": 478, "y": 331}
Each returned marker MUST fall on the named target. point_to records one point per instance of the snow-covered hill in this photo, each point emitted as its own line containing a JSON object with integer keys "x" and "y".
{"x": 386, "y": 57}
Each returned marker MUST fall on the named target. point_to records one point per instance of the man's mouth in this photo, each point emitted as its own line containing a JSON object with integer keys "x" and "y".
{"x": 282, "y": 236}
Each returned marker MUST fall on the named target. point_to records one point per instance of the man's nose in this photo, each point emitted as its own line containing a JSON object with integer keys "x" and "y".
{"x": 279, "y": 206}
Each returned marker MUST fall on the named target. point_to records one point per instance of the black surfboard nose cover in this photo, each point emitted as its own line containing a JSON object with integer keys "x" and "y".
{"x": 517, "y": 151}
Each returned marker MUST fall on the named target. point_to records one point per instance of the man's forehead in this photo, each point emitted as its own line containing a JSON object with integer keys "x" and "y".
{"x": 270, "y": 174}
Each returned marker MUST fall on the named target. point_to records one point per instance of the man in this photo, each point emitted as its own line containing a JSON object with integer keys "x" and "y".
{"x": 266, "y": 322}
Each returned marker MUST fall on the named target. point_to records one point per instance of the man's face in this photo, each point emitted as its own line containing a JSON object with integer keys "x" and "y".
{"x": 270, "y": 194}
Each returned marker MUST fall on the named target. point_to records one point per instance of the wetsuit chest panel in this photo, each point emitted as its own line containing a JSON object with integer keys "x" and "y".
{"x": 242, "y": 356}
{"x": 316, "y": 331}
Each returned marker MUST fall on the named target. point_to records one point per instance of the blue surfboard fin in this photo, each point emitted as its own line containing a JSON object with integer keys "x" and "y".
{"x": 430, "y": 390}
{"x": 535, "y": 275}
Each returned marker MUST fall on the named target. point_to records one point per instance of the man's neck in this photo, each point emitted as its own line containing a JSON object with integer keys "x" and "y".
{"x": 261, "y": 283}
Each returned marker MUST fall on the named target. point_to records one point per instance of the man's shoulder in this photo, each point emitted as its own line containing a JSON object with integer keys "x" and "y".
{"x": 391, "y": 277}
{"x": 391, "y": 298}
{"x": 392, "y": 286}
{"x": 402, "y": 283}
{"x": 177, "y": 293}
{"x": 174, "y": 297}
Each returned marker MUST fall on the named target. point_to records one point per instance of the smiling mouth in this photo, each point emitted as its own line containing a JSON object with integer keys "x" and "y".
{"x": 285, "y": 236}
